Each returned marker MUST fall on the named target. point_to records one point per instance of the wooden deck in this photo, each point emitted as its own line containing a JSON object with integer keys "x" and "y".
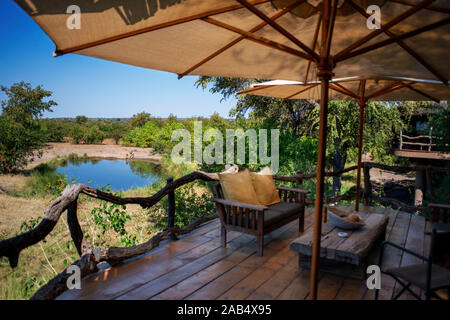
{"x": 196, "y": 267}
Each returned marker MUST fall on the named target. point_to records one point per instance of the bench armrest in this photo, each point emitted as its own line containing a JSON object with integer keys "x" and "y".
{"x": 239, "y": 204}
{"x": 293, "y": 190}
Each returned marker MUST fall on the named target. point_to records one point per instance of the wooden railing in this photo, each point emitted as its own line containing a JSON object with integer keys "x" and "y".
{"x": 90, "y": 256}
{"x": 406, "y": 141}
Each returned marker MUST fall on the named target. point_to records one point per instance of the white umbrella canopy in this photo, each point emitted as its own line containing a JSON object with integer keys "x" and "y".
{"x": 265, "y": 39}
{"x": 236, "y": 38}
{"x": 382, "y": 89}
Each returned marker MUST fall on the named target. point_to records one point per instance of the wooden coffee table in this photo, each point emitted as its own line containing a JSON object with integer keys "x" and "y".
{"x": 348, "y": 256}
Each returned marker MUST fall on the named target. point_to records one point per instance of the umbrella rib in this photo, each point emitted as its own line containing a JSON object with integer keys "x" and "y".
{"x": 344, "y": 88}
{"x": 403, "y": 45}
{"x": 433, "y": 8}
{"x": 422, "y": 93}
{"x": 59, "y": 52}
{"x": 330, "y": 28}
{"x": 345, "y": 52}
{"x": 314, "y": 42}
{"x": 254, "y": 89}
{"x": 394, "y": 39}
{"x": 239, "y": 39}
{"x": 303, "y": 90}
{"x": 389, "y": 88}
{"x": 258, "y": 39}
{"x": 345, "y": 92}
{"x": 280, "y": 29}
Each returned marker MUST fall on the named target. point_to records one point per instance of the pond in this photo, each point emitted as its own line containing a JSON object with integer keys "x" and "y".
{"x": 117, "y": 174}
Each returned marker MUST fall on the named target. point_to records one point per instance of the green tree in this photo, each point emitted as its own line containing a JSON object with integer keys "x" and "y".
{"x": 140, "y": 119}
{"x": 440, "y": 122}
{"x": 299, "y": 118}
{"x": 20, "y": 128}
{"x": 81, "y": 119}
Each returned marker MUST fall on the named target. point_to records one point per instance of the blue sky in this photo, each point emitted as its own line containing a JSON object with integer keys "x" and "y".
{"x": 94, "y": 87}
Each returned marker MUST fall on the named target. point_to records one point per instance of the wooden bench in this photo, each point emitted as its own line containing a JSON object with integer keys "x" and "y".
{"x": 343, "y": 256}
{"x": 260, "y": 220}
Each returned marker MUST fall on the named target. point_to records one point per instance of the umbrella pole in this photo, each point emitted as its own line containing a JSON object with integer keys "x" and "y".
{"x": 325, "y": 73}
{"x": 318, "y": 205}
{"x": 362, "y": 107}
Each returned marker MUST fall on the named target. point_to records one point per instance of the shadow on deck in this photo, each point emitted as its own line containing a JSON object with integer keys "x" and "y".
{"x": 197, "y": 267}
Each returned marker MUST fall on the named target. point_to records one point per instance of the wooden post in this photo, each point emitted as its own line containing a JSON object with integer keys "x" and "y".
{"x": 430, "y": 184}
{"x": 362, "y": 105}
{"x": 431, "y": 139}
{"x": 171, "y": 210}
{"x": 324, "y": 72}
{"x": 419, "y": 187}
{"x": 401, "y": 140}
{"x": 76, "y": 232}
{"x": 367, "y": 185}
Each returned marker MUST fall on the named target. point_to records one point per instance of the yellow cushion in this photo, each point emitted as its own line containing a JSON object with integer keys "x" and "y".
{"x": 238, "y": 187}
{"x": 265, "y": 188}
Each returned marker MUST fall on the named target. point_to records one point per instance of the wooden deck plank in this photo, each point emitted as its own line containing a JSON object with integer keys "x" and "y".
{"x": 299, "y": 287}
{"x": 159, "y": 284}
{"x": 192, "y": 284}
{"x": 97, "y": 285}
{"x": 392, "y": 256}
{"x": 248, "y": 287}
{"x": 196, "y": 267}
{"x": 415, "y": 243}
{"x": 329, "y": 286}
{"x": 279, "y": 281}
{"x": 216, "y": 288}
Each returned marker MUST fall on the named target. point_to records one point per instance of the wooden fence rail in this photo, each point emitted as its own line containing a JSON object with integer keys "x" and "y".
{"x": 90, "y": 257}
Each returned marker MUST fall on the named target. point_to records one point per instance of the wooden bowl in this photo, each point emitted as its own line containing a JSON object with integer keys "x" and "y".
{"x": 339, "y": 219}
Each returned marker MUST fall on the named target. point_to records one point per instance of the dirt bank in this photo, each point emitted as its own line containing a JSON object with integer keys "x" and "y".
{"x": 101, "y": 151}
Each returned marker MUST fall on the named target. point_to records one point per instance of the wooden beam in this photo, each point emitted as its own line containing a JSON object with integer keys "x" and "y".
{"x": 303, "y": 90}
{"x": 258, "y": 39}
{"x": 412, "y": 3}
{"x": 59, "y": 52}
{"x": 239, "y": 39}
{"x": 409, "y": 86}
{"x": 403, "y": 36}
{"x": 414, "y": 54}
{"x": 342, "y": 54}
{"x": 279, "y": 28}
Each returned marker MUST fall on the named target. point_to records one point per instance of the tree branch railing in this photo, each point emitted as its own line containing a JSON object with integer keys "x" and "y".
{"x": 90, "y": 257}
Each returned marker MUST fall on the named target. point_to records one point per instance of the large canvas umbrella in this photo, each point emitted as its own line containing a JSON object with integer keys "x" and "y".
{"x": 279, "y": 39}
{"x": 360, "y": 89}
